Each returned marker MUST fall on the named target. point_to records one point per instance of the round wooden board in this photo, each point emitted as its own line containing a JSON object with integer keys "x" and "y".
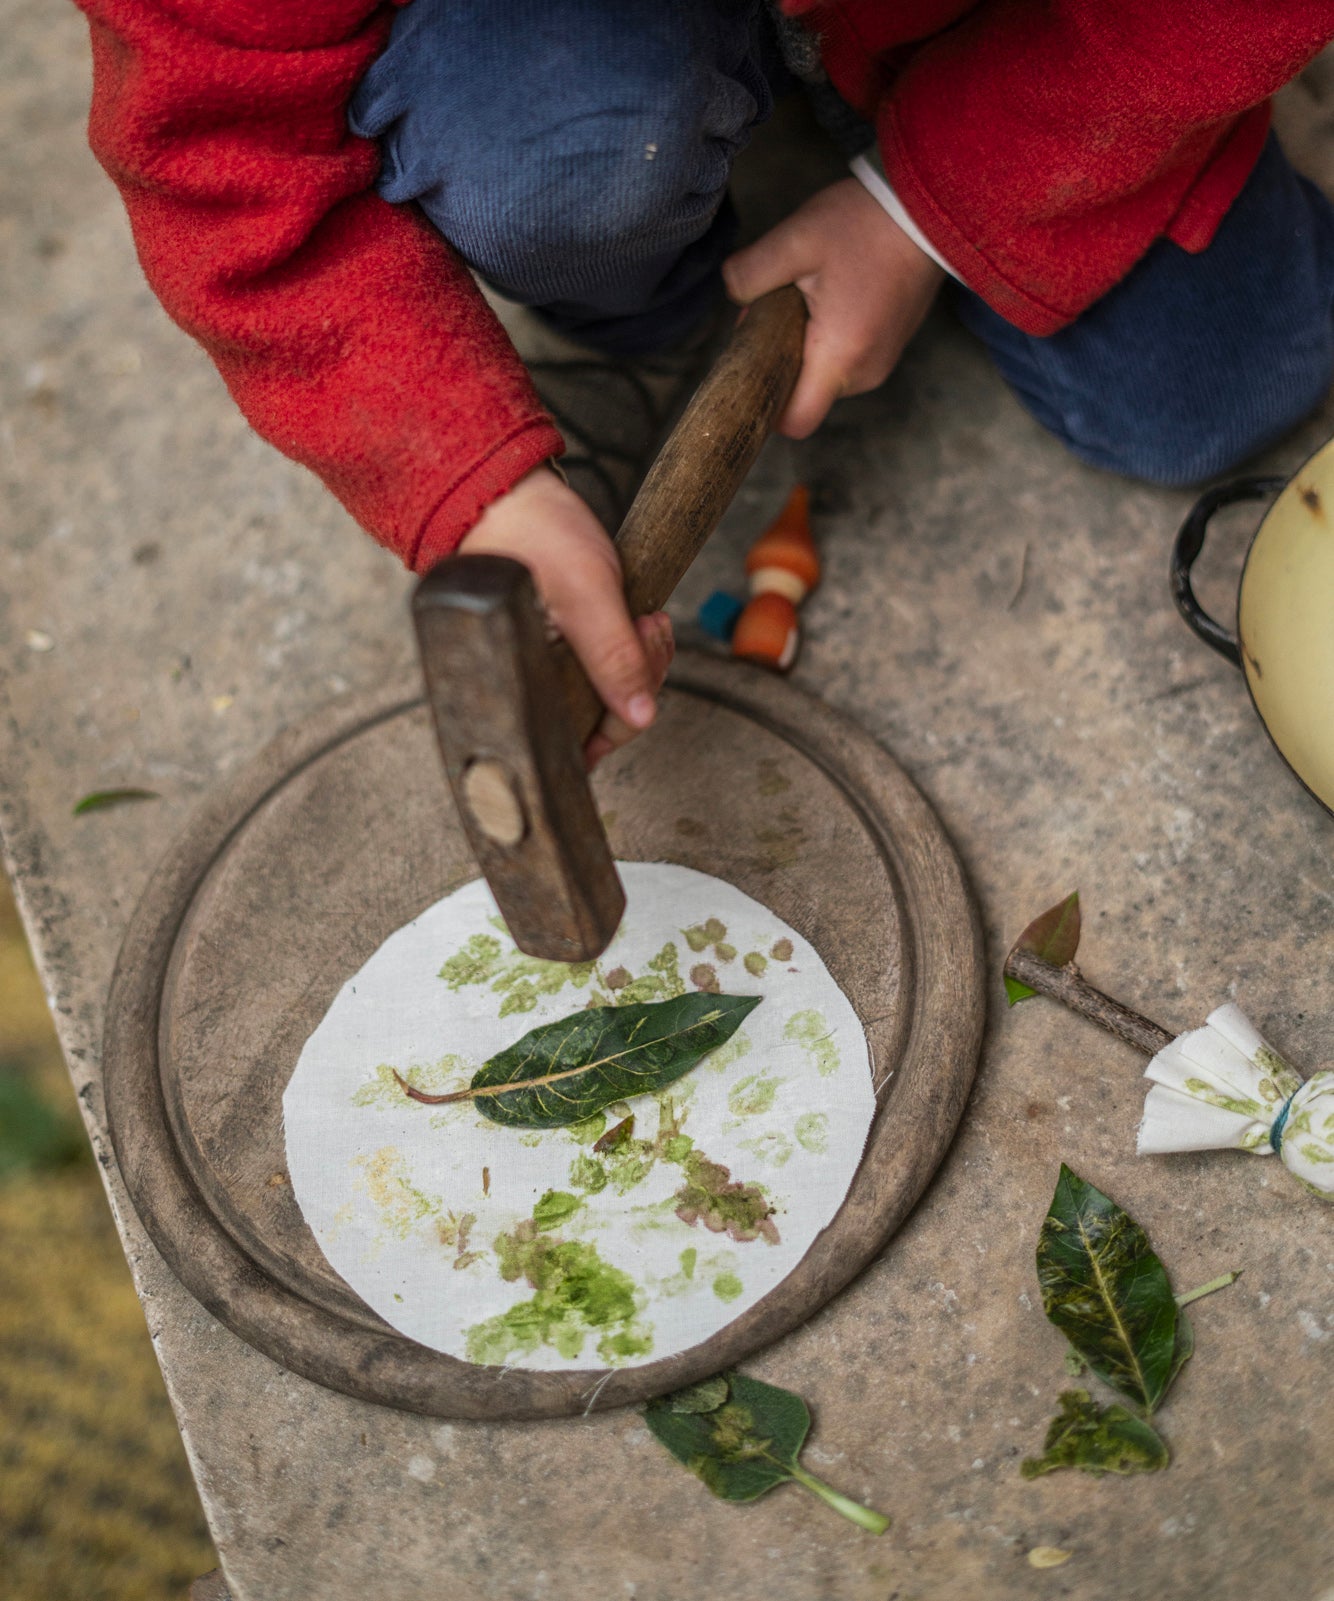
{"x": 342, "y": 830}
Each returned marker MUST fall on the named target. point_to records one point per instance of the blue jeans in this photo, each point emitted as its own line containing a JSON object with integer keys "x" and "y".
{"x": 576, "y": 153}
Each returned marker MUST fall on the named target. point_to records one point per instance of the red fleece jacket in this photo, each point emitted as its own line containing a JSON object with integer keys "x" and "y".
{"x": 1041, "y": 145}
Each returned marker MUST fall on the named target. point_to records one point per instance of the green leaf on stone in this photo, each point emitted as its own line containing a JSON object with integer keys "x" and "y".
{"x": 34, "y": 1135}
{"x": 1053, "y": 936}
{"x": 1098, "y": 1439}
{"x": 1183, "y": 1349}
{"x": 1105, "y": 1289}
{"x": 746, "y": 1443}
{"x": 101, "y": 799}
{"x": 562, "y": 1073}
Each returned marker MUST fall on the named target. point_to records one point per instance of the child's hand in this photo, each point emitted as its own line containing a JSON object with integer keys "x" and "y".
{"x": 544, "y": 524}
{"x": 867, "y": 286}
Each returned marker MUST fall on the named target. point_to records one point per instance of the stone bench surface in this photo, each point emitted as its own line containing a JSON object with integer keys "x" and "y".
{"x": 174, "y": 593}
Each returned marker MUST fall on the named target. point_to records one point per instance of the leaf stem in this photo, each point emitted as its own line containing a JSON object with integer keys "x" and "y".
{"x": 1068, "y": 985}
{"x": 1220, "y": 1283}
{"x": 863, "y": 1516}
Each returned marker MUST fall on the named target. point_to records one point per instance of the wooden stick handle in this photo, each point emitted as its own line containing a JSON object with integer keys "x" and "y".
{"x": 1068, "y": 985}
{"x": 699, "y": 470}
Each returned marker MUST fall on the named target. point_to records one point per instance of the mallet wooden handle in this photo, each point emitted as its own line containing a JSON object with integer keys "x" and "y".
{"x": 512, "y": 713}
{"x": 699, "y": 470}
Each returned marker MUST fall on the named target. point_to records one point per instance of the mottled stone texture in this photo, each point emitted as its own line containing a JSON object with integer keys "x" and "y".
{"x": 999, "y": 616}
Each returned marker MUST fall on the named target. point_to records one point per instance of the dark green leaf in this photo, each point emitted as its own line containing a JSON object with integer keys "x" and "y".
{"x": 1105, "y": 1289}
{"x": 564, "y": 1072}
{"x": 1054, "y": 936}
{"x": 33, "y": 1134}
{"x": 1098, "y": 1439}
{"x": 1184, "y": 1348}
{"x": 100, "y": 799}
{"x": 748, "y": 1444}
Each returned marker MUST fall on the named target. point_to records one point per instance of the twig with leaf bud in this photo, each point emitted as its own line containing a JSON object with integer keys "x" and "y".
{"x": 1219, "y": 1087}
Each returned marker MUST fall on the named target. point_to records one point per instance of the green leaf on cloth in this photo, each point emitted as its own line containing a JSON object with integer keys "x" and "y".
{"x": 1105, "y": 1289}
{"x": 747, "y": 1442}
{"x": 1098, "y": 1439}
{"x": 1053, "y": 936}
{"x": 565, "y": 1072}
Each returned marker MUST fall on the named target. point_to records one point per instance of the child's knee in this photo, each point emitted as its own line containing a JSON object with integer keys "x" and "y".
{"x": 549, "y": 177}
{"x": 564, "y": 232}
{"x": 1199, "y": 432}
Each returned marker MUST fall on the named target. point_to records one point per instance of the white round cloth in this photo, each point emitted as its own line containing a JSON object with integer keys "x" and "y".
{"x": 532, "y": 1247}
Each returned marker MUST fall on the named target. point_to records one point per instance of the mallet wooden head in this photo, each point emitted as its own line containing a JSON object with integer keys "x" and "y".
{"x": 512, "y": 709}
{"x": 513, "y": 754}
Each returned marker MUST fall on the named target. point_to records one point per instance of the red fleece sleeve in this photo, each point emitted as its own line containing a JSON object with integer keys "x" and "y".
{"x": 1043, "y": 145}
{"x": 348, "y": 332}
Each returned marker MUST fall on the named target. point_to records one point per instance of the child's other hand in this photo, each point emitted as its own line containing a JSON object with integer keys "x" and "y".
{"x": 544, "y": 524}
{"x": 867, "y": 286}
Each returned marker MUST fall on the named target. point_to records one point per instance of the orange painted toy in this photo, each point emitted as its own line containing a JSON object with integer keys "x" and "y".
{"x": 783, "y": 566}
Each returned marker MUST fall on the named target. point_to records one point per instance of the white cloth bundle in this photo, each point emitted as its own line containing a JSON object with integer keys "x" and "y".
{"x": 1221, "y": 1087}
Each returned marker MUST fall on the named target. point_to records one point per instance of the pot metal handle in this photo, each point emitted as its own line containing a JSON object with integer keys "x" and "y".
{"x": 1189, "y": 544}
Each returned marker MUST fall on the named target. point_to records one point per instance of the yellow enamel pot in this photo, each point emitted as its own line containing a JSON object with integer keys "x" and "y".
{"x": 1284, "y": 638}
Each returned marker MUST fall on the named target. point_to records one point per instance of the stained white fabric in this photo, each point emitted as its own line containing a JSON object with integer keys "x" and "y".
{"x": 1222, "y": 1087}
{"x": 531, "y": 1247}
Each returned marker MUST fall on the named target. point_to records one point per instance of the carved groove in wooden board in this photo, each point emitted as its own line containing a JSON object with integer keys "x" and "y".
{"x": 342, "y": 830}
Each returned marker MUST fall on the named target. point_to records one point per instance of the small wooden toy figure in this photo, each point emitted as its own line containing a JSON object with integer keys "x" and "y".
{"x": 783, "y": 566}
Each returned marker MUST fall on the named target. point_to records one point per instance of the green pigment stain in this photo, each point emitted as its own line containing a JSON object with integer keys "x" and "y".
{"x": 780, "y": 844}
{"x": 662, "y": 981}
{"x": 753, "y": 1095}
{"x": 631, "y": 1165}
{"x": 479, "y": 960}
{"x": 688, "y": 1259}
{"x": 521, "y": 980}
{"x": 812, "y": 1132}
{"x": 711, "y": 1196}
{"x": 723, "y": 1058}
{"x": 575, "y": 1294}
{"x": 542, "y": 978}
{"x": 553, "y": 1209}
{"x": 588, "y": 1174}
{"x": 812, "y": 1033}
{"x": 727, "y": 1286}
{"x": 773, "y": 1148}
{"x": 592, "y": 1128}
{"x": 705, "y": 934}
{"x": 781, "y": 950}
{"x": 772, "y": 780}
{"x": 755, "y": 964}
{"x": 399, "y": 1202}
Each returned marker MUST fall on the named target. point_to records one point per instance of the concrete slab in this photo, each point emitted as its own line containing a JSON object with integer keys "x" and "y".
{"x": 173, "y": 592}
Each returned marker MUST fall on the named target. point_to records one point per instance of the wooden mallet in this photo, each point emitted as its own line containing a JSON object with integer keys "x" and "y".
{"x": 512, "y": 710}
